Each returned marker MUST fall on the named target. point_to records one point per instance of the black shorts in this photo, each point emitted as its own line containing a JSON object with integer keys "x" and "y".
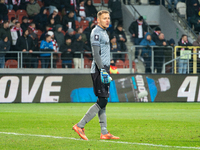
{"x": 100, "y": 89}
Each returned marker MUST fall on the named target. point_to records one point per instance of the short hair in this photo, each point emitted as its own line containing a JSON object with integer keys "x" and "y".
{"x": 4, "y": 22}
{"x": 32, "y": 23}
{"x": 46, "y": 36}
{"x": 183, "y": 35}
{"x": 102, "y": 12}
{"x": 16, "y": 23}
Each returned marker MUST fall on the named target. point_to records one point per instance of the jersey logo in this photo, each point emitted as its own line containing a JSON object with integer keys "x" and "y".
{"x": 96, "y": 37}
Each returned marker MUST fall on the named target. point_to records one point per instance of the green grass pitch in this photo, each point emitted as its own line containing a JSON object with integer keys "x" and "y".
{"x": 145, "y": 126}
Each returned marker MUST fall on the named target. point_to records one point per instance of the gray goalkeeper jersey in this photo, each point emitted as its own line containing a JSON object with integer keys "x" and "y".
{"x": 99, "y": 37}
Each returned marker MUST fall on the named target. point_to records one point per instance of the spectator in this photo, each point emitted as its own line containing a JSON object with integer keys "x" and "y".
{"x": 23, "y": 4}
{"x": 9, "y": 4}
{"x": 155, "y": 34}
{"x": 159, "y": 53}
{"x": 192, "y": 9}
{"x": 16, "y": 32}
{"x": 114, "y": 47}
{"x": 195, "y": 20}
{"x": 20, "y": 4}
{"x": 31, "y": 28}
{"x": 46, "y": 46}
{"x": 4, "y": 46}
{"x": 78, "y": 46}
{"x": 59, "y": 35}
{"x": 55, "y": 47}
{"x": 146, "y": 51}
{"x": 90, "y": 10}
{"x": 3, "y": 11}
{"x": 16, "y": 4}
{"x": 70, "y": 34}
{"x": 68, "y": 21}
{"x": 48, "y": 28}
{"x": 138, "y": 30}
{"x": 87, "y": 32}
{"x": 113, "y": 68}
{"x": 25, "y": 44}
{"x": 33, "y": 9}
{"x": 121, "y": 37}
{"x": 46, "y": 3}
{"x": 55, "y": 16}
{"x": 54, "y": 5}
{"x": 5, "y": 30}
{"x": 34, "y": 57}
{"x": 82, "y": 14}
{"x": 71, "y": 5}
{"x": 41, "y": 19}
{"x": 116, "y": 11}
{"x": 157, "y": 2}
{"x": 84, "y": 38}
{"x": 12, "y": 22}
{"x": 183, "y": 63}
{"x": 67, "y": 54}
{"x": 52, "y": 24}
{"x": 170, "y": 4}
{"x": 25, "y": 23}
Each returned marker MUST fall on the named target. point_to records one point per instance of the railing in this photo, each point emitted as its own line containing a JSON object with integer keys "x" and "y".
{"x": 154, "y": 56}
{"x": 20, "y": 57}
{"x": 193, "y": 59}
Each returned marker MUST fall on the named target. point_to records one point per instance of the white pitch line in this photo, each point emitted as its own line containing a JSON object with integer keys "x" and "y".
{"x": 106, "y": 141}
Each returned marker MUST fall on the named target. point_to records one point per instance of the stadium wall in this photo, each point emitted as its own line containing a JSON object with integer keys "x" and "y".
{"x": 62, "y": 88}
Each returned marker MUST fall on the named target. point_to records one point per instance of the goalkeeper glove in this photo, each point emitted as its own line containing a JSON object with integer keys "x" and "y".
{"x": 105, "y": 77}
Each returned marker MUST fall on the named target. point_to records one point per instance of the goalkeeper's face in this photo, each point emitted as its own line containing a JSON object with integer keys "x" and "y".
{"x": 104, "y": 20}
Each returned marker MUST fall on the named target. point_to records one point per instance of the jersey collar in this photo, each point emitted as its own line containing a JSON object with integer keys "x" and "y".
{"x": 101, "y": 27}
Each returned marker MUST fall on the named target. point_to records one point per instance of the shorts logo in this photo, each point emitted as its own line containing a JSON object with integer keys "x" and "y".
{"x": 96, "y": 37}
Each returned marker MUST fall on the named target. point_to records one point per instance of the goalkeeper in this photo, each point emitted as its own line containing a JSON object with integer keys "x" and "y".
{"x": 99, "y": 71}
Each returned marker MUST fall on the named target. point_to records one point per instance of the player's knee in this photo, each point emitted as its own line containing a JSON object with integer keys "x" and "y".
{"x": 102, "y": 102}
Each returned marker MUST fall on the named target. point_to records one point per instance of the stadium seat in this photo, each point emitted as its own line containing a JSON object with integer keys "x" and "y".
{"x": 105, "y": 2}
{"x": 39, "y": 33}
{"x": 59, "y": 63}
{"x": 77, "y": 24}
{"x": 84, "y": 24}
{"x": 95, "y": 22}
{"x": 40, "y": 3}
{"x": 87, "y": 63}
{"x": 144, "y": 2}
{"x": 20, "y": 13}
{"x": 11, "y": 63}
{"x": 181, "y": 7}
{"x": 119, "y": 64}
{"x": 97, "y": 3}
{"x": 39, "y": 64}
{"x": 127, "y": 64}
{"x": 11, "y": 13}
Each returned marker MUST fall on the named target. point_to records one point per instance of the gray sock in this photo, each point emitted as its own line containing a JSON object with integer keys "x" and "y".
{"x": 103, "y": 121}
{"x": 91, "y": 113}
